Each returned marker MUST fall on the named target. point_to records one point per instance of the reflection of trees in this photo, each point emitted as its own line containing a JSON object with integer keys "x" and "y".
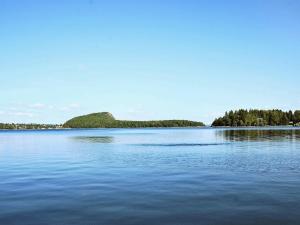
{"x": 259, "y": 135}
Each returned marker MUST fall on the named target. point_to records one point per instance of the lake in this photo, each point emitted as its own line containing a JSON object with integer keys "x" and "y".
{"x": 150, "y": 176}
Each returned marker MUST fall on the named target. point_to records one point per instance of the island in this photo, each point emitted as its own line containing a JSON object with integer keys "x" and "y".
{"x": 107, "y": 120}
{"x": 256, "y": 117}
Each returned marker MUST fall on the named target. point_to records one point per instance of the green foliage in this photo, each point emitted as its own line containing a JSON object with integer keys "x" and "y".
{"x": 255, "y": 117}
{"x": 297, "y": 116}
{"x": 93, "y": 120}
{"x": 31, "y": 126}
{"x": 106, "y": 120}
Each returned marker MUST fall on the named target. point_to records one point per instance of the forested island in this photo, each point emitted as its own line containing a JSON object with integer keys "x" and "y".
{"x": 30, "y": 126}
{"x": 107, "y": 120}
{"x": 255, "y": 117}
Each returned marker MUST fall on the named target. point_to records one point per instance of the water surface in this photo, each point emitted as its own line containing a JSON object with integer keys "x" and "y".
{"x": 150, "y": 176}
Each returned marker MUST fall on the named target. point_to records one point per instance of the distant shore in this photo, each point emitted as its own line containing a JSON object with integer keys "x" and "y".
{"x": 66, "y": 128}
{"x": 189, "y": 127}
{"x": 253, "y": 118}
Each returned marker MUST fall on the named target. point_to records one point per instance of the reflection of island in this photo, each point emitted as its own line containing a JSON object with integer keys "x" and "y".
{"x": 94, "y": 139}
{"x": 259, "y": 134}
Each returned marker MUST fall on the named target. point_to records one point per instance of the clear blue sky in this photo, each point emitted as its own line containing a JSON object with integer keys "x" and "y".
{"x": 147, "y": 59}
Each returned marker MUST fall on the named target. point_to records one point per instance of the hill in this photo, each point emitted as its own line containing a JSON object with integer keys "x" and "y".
{"x": 107, "y": 120}
{"x": 256, "y": 117}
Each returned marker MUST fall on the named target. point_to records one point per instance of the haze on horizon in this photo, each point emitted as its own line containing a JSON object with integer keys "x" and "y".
{"x": 143, "y": 60}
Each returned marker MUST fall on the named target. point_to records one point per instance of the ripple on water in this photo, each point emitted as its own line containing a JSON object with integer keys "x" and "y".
{"x": 94, "y": 139}
{"x": 181, "y": 144}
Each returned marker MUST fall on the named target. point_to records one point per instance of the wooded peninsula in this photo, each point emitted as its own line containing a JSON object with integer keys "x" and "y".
{"x": 107, "y": 120}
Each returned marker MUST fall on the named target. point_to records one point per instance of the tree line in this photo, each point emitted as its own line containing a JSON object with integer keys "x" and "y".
{"x": 255, "y": 117}
{"x": 131, "y": 124}
{"x": 158, "y": 123}
{"x": 107, "y": 120}
{"x": 242, "y": 117}
{"x": 31, "y": 126}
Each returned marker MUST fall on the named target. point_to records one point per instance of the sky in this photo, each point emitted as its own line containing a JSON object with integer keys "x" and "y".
{"x": 144, "y": 60}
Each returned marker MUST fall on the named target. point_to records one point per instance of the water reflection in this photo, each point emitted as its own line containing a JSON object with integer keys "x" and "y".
{"x": 181, "y": 144}
{"x": 260, "y": 135}
{"x": 94, "y": 139}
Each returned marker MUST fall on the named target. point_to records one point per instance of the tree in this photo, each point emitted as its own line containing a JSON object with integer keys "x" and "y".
{"x": 255, "y": 117}
{"x": 297, "y": 116}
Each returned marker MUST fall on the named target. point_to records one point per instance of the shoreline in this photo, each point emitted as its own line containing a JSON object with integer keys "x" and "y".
{"x": 192, "y": 127}
{"x": 87, "y": 128}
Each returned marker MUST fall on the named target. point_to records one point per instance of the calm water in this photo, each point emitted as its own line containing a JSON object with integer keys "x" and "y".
{"x": 150, "y": 176}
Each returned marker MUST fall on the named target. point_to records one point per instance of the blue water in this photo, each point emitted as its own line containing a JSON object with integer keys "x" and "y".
{"x": 150, "y": 176}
